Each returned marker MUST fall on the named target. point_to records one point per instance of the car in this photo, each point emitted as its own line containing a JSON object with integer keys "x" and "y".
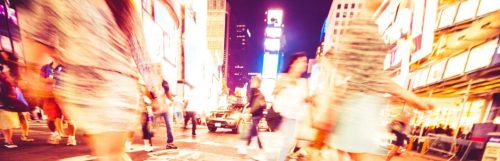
{"x": 231, "y": 118}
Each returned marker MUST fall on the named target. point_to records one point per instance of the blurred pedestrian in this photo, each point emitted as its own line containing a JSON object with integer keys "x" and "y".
{"x": 359, "y": 57}
{"x": 147, "y": 118}
{"x": 291, "y": 101}
{"x": 50, "y": 74}
{"x": 101, "y": 46}
{"x": 398, "y": 127}
{"x": 257, "y": 105}
{"x": 192, "y": 104}
{"x": 8, "y": 120}
{"x": 164, "y": 114}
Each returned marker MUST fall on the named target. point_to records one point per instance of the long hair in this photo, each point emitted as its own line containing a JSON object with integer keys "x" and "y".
{"x": 292, "y": 60}
{"x": 123, "y": 12}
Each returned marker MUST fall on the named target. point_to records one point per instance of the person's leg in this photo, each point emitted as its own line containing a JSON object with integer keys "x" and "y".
{"x": 130, "y": 139}
{"x": 193, "y": 120}
{"x": 109, "y": 146}
{"x": 252, "y": 132}
{"x": 58, "y": 122}
{"x": 146, "y": 133}
{"x": 71, "y": 133}
{"x": 53, "y": 120}
{"x": 7, "y": 135}
{"x": 170, "y": 137}
{"x": 23, "y": 119}
{"x": 51, "y": 125}
{"x": 392, "y": 152}
{"x": 288, "y": 129}
{"x": 186, "y": 119}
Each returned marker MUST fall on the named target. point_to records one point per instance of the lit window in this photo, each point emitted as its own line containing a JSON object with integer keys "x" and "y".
{"x": 352, "y": 14}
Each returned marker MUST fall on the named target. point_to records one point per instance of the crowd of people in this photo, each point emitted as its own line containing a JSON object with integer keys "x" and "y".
{"x": 90, "y": 58}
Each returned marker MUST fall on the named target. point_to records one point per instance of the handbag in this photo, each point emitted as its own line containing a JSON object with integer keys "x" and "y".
{"x": 14, "y": 105}
{"x": 11, "y": 103}
{"x": 273, "y": 119}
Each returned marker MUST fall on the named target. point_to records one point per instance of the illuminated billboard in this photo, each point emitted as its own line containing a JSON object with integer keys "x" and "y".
{"x": 272, "y": 44}
{"x": 274, "y": 32}
{"x": 275, "y": 17}
{"x": 270, "y": 66}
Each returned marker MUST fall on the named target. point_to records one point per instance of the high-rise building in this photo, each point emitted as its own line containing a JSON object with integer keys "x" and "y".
{"x": 218, "y": 32}
{"x": 240, "y": 35}
{"x": 338, "y": 18}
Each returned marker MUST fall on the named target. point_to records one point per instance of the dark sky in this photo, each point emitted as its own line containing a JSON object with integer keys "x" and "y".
{"x": 303, "y": 22}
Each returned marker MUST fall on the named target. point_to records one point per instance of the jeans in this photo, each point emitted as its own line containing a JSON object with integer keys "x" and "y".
{"x": 289, "y": 131}
{"x": 170, "y": 138}
{"x": 191, "y": 115}
{"x": 147, "y": 127}
{"x": 254, "y": 131}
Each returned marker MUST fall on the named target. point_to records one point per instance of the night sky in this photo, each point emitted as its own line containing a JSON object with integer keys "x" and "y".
{"x": 303, "y": 22}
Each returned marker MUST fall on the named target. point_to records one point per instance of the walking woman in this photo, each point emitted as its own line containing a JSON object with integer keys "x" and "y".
{"x": 100, "y": 43}
{"x": 291, "y": 100}
{"x": 8, "y": 120}
{"x": 359, "y": 57}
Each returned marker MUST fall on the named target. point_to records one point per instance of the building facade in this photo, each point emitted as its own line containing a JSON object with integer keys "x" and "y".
{"x": 447, "y": 51}
{"x": 338, "y": 17}
{"x": 218, "y": 32}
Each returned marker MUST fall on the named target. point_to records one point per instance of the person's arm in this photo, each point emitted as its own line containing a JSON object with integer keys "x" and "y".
{"x": 412, "y": 99}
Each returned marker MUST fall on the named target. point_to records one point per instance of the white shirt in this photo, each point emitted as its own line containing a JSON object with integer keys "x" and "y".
{"x": 290, "y": 101}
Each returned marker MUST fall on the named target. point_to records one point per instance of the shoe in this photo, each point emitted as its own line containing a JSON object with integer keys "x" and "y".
{"x": 128, "y": 146}
{"x": 26, "y": 139}
{"x": 148, "y": 148}
{"x": 71, "y": 141}
{"x": 242, "y": 151}
{"x": 171, "y": 146}
{"x": 10, "y": 145}
{"x": 54, "y": 139}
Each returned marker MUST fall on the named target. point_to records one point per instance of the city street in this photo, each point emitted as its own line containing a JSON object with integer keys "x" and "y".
{"x": 218, "y": 146}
